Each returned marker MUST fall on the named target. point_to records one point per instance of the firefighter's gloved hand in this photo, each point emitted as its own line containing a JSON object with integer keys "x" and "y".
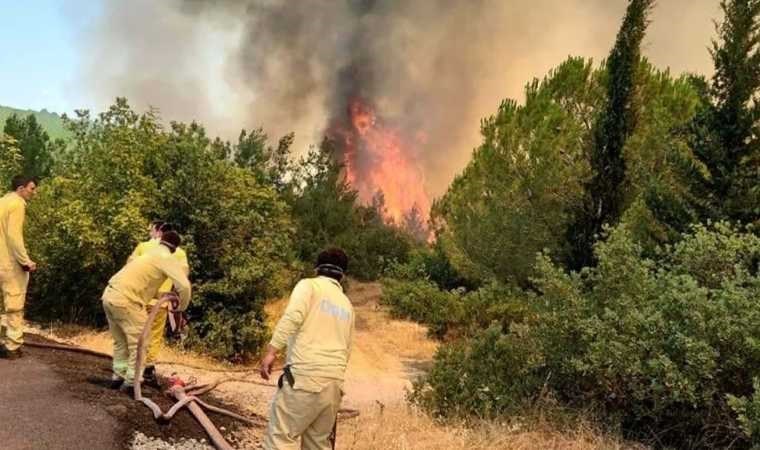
{"x": 180, "y": 319}
{"x": 177, "y": 325}
{"x": 173, "y": 300}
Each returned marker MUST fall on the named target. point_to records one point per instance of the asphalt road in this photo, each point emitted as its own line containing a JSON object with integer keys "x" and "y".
{"x": 38, "y": 411}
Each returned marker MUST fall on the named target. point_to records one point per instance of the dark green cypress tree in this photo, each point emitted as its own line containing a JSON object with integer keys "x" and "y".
{"x": 725, "y": 134}
{"x": 615, "y": 123}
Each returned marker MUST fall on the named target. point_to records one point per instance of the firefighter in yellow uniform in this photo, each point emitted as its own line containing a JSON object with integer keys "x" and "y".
{"x": 15, "y": 265}
{"x": 156, "y": 339}
{"x": 317, "y": 328}
{"x": 126, "y": 298}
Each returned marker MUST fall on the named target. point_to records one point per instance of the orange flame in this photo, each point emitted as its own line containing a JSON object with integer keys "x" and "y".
{"x": 379, "y": 157}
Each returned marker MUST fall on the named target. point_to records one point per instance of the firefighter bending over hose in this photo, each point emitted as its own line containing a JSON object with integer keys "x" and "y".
{"x": 127, "y": 296}
{"x": 156, "y": 340}
{"x": 317, "y": 329}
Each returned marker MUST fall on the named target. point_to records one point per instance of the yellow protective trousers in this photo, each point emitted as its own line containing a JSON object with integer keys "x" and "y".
{"x": 157, "y": 335}
{"x": 126, "y": 320}
{"x": 13, "y": 283}
{"x": 302, "y": 419}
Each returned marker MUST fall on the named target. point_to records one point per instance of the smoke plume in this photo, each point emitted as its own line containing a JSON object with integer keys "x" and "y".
{"x": 432, "y": 68}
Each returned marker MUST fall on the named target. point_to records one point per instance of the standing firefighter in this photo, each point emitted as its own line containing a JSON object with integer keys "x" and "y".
{"x": 156, "y": 340}
{"x": 317, "y": 328}
{"x": 15, "y": 265}
{"x": 127, "y": 296}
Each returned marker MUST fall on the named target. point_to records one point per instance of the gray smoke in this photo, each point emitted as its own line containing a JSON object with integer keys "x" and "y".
{"x": 436, "y": 66}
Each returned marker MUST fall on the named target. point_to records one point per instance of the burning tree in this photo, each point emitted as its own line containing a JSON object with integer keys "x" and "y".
{"x": 380, "y": 157}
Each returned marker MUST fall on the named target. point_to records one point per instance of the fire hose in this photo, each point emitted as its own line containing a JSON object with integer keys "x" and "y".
{"x": 178, "y": 388}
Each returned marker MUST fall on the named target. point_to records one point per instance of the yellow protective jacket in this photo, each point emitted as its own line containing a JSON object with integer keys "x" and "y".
{"x": 179, "y": 254}
{"x": 317, "y": 328}
{"x": 12, "y": 249}
{"x": 140, "y": 279}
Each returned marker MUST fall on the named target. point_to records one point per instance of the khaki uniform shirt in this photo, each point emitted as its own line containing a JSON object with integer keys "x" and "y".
{"x": 179, "y": 254}
{"x": 140, "y": 280}
{"x": 12, "y": 250}
{"x": 317, "y": 328}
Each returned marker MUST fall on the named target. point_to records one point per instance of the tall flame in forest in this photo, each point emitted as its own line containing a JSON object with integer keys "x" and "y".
{"x": 380, "y": 158}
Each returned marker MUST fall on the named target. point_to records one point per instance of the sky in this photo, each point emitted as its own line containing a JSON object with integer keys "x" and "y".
{"x": 40, "y": 56}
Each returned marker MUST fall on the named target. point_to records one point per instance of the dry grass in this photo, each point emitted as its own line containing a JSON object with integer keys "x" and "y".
{"x": 275, "y": 309}
{"x": 400, "y": 427}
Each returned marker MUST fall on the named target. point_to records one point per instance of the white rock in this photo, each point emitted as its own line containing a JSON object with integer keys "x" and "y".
{"x": 143, "y": 442}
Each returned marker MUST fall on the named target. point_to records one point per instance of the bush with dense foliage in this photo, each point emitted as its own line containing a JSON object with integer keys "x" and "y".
{"x": 455, "y": 312}
{"x": 657, "y": 345}
{"x": 123, "y": 169}
{"x": 431, "y": 263}
{"x": 10, "y": 159}
{"x": 422, "y": 301}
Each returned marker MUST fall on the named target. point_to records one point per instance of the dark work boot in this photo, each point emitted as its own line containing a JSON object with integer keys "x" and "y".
{"x": 10, "y": 354}
{"x": 127, "y": 389}
{"x": 150, "y": 378}
{"x": 116, "y": 382}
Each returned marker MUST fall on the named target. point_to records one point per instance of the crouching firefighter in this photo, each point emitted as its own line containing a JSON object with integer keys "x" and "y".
{"x": 127, "y": 296}
{"x": 317, "y": 329}
{"x": 156, "y": 340}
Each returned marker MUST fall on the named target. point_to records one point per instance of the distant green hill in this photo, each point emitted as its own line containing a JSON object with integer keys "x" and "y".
{"x": 51, "y": 122}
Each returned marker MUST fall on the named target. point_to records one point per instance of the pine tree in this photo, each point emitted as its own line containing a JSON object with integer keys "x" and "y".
{"x": 414, "y": 224}
{"x": 33, "y": 142}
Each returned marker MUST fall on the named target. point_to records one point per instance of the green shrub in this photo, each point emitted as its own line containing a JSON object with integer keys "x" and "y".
{"x": 221, "y": 331}
{"x": 657, "y": 346}
{"x": 747, "y": 409}
{"x": 493, "y": 373}
{"x": 10, "y": 159}
{"x": 447, "y": 312}
{"x": 423, "y": 302}
{"x": 431, "y": 264}
{"x": 123, "y": 169}
{"x": 372, "y": 246}
{"x": 496, "y": 304}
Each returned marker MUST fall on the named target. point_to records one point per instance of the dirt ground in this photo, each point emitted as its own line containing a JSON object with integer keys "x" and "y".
{"x": 57, "y": 400}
